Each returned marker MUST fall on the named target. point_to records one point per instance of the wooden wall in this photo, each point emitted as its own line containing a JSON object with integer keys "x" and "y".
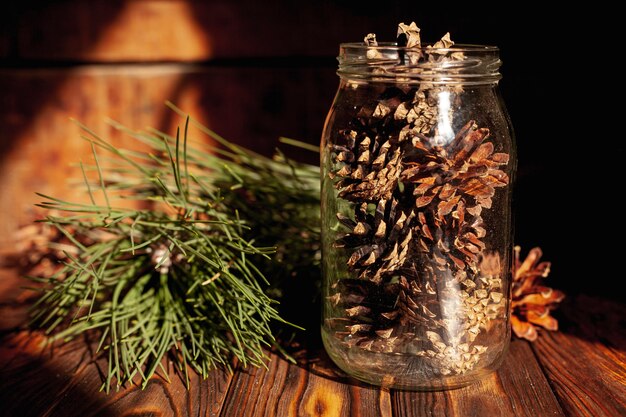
{"x": 247, "y": 80}
{"x": 256, "y": 70}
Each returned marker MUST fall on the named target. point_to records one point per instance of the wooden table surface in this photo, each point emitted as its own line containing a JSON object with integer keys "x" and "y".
{"x": 577, "y": 371}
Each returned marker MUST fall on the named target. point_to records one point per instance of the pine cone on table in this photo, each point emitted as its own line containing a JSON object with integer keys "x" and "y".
{"x": 532, "y": 302}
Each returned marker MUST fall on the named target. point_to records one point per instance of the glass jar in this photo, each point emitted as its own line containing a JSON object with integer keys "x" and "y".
{"x": 417, "y": 160}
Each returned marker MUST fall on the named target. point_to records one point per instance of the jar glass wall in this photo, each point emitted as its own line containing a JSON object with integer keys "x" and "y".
{"x": 417, "y": 160}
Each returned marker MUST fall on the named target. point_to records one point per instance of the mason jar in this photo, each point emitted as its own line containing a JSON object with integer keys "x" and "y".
{"x": 417, "y": 159}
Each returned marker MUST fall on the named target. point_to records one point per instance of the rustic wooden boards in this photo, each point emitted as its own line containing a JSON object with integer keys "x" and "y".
{"x": 187, "y": 30}
{"x": 40, "y": 146}
{"x": 579, "y": 371}
{"x": 585, "y": 363}
{"x": 65, "y": 383}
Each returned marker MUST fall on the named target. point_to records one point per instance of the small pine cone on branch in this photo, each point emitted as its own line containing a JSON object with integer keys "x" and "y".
{"x": 532, "y": 302}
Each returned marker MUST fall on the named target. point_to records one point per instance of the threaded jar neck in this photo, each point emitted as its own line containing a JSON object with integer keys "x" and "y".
{"x": 388, "y": 62}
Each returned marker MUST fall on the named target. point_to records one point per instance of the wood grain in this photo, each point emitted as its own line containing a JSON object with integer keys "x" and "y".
{"x": 522, "y": 380}
{"x": 13, "y": 309}
{"x": 66, "y": 382}
{"x": 184, "y": 30}
{"x": 562, "y": 374}
{"x": 586, "y": 361}
{"x": 112, "y": 31}
{"x": 519, "y": 388}
{"x": 285, "y": 389}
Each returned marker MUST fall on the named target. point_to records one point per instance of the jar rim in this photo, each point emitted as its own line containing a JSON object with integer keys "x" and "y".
{"x": 472, "y": 65}
{"x": 427, "y": 47}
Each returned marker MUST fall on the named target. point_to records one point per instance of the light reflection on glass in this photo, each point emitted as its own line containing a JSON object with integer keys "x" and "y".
{"x": 444, "y": 133}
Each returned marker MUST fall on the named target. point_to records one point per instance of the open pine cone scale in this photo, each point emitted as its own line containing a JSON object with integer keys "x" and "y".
{"x": 532, "y": 302}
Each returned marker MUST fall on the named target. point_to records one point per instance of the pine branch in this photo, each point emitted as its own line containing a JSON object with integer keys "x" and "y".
{"x": 183, "y": 271}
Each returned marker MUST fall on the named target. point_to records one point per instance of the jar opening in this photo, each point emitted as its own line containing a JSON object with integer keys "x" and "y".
{"x": 426, "y": 47}
{"x": 388, "y": 62}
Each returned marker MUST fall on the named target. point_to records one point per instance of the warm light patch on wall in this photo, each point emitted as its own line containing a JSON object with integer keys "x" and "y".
{"x": 44, "y": 154}
{"x": 130, "y": 37}
{"x": 153, "y": 31}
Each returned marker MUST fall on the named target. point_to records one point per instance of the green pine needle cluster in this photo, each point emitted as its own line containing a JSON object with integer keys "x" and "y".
{"x": 172, "y": 252}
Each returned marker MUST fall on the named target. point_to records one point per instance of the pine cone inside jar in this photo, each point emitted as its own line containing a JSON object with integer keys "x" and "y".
{"x": 419, "y": 276}
{"x": 417, "y": 220}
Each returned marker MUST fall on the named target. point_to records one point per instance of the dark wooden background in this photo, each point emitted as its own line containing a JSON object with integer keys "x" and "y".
{"x": 256, "y": 70}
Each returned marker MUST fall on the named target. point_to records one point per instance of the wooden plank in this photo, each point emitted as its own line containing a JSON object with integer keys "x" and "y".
{"x": 204, "y": 398}
{"x": 186, "y": 30}
{"x": 13, "y": 305}
{"x": 586, "y": 361}
{"x": 523, "y": 381}
{"x": 113, "y": 31}
{"x": 7, "y": 35}
{"x": 285, "y": 389}
{"x": 588, "y": 376}
{"x": 255, "y": 391}
{"x": 324, "y": 396}
{"x": 427, "y": 404}
{"x": 12, "y": 317}
{"x": 35, "y": 382}
{"x": 106, "y": 30}
{"x": 365, "y": 400}
{"x": 10, "y": 284}
{"x": 517, "y": 389}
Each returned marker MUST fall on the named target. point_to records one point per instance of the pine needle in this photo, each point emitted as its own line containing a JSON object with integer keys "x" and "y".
{"x": 184, "y": 272}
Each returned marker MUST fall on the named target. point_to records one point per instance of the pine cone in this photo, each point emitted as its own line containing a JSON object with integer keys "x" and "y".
{"x": 401, "y": 242}
{"x": 455, "y": 183}
{"x": 382, "y": 240}
{"x": 532, "y": 302}
{"x": 448, "y": 359}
